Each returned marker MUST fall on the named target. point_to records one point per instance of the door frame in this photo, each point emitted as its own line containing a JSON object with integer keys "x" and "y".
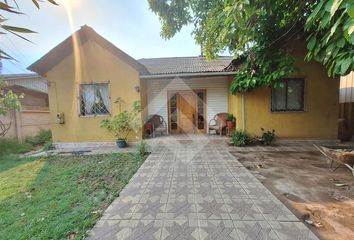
{"x": 170, "y": 94}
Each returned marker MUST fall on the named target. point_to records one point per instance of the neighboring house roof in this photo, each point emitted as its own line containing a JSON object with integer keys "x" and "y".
{"x": 185, "y": 65}
{"x": 65, "y": 48}
{"x": 28, "y": 80}
{"x": 21, "y": 89}
{"x": 32, "y": 100}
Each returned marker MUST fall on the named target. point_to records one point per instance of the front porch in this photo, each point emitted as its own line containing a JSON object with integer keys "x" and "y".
{"x": 186, "y": 105}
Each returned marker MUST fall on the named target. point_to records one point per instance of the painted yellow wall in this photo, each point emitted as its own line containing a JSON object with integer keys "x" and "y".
{"x": 93, "y": 64}
{"x": 318, "y": 121}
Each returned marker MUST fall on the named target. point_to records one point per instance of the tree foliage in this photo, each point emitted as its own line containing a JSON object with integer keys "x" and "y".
{"x": 331, "y": 35}
{"x": 8, "y": 101}
{"x": 253, "y": 30}
{"x": 12, "y": 7}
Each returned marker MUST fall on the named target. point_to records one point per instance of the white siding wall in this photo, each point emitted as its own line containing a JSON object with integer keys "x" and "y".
{"x": 216, "y": 92}
{"x": 346, "y": 89}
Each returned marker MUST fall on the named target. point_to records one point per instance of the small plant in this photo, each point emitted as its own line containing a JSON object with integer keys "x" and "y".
{"x": 267, "y": 136}
{"x": 230, "y": 117}
{"x": 42, "y": 138}
{"x": 239, "y": 138}
{"x": 123, "y": 124}
{"x": 120, "y": 125}
{"x": 141, "y": 148}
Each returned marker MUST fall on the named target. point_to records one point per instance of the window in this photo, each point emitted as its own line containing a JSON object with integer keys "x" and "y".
{"x": 94, "y": 99}
{"x": 290, "y": 97}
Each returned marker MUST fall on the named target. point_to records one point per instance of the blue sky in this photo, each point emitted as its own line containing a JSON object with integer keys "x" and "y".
{"x": 129, "y": 24}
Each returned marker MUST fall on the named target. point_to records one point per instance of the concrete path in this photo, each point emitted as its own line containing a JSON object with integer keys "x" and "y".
{"x": 196, "y": 190}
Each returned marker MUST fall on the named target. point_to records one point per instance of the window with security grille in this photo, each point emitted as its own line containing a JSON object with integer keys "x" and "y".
{"x": 290, "y": 97}
{"x": 94, "y": 99}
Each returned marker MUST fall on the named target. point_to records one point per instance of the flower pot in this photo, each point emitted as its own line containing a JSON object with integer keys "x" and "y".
{"x": 148, "y": 125}
{"x": 121, "y": 143}
{"x": 230, "y": 124}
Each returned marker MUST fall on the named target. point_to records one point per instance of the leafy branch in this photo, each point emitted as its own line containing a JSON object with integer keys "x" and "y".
{"x": 256, "y": 31}
{"x": 13, "y": 8}
{"x": 331, "y": 39}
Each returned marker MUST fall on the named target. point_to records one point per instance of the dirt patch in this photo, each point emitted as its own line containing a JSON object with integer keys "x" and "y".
{"x": 303, "y": 182}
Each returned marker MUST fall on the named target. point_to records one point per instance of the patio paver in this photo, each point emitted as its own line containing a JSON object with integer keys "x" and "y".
{"x": 196, "y": 190}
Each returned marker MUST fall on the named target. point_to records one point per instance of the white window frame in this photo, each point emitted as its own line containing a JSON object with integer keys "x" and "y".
{"x": 79, "y": 99}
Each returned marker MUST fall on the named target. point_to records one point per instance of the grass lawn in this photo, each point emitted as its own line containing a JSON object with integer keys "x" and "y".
{"x": 54, "y": 197}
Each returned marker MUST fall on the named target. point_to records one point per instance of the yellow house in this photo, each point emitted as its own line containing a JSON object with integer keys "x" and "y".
{"x": 186, "y": 92}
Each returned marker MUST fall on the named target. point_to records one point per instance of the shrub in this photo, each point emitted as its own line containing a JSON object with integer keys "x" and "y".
{"x": 120, "y": 125}
{"x": 267, "y": 136}
{"x": 141, "y": 148}
{"x": 239, "y": 138}
{"x": 42, "y": 138}
{"x": 11, "y": 146}
{"x": 124, "y": 123}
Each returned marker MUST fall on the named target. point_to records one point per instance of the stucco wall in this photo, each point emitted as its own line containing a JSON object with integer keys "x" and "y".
{"x": 92, "y": 64}
{"x": 318, "y": 121}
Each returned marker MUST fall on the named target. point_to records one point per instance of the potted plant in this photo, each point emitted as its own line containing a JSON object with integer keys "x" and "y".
{"x": 120, "y": 126}
{"x": 230, "y": 121}
{"x": 148, "y": 126}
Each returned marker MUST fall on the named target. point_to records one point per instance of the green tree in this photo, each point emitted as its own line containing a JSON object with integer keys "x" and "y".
{"x": 331, "y": 35}
{"x": 252, "y": 30}
{"x": 8, "y": 101}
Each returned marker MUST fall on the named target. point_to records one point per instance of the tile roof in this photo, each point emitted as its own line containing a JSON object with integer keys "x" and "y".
{"x": 179, "y": 65}
{"x": 145, "y": 66}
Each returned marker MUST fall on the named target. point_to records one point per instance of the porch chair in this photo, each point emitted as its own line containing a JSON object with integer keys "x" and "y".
{"x": 159, "y": 125}
{"x": 218, "y": 123}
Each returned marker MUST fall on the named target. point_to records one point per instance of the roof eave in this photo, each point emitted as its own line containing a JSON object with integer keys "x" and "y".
{"x": 173, "y": 75}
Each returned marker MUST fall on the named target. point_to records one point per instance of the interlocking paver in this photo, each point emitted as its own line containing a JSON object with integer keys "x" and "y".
{"x": 197, "y": 190}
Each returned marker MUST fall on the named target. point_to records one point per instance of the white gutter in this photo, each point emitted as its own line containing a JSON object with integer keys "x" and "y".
{"x": 187, "y": 75}
{"x": 243, "y": 112}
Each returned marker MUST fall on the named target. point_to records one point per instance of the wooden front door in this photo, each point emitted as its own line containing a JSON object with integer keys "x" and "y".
{"x": 186, "y": 110}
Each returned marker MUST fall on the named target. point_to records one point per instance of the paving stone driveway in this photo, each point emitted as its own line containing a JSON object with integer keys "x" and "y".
{"x": 197, "y": 191}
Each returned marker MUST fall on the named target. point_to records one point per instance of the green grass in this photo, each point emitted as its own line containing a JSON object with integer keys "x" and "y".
{"x": 49, "y": 198}
{"x": 11, "y": 146}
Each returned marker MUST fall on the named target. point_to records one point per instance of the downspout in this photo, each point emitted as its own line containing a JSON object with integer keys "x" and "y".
{"x": 243, "y": 112}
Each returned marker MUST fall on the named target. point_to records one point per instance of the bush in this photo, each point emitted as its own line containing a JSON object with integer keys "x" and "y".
{"x": 42, "y": 138}
{"x": 11, "y": 146}
{"x": 267, "y": 136}
{"x": 120, "y": 125}
{"x": 239, "y": 138}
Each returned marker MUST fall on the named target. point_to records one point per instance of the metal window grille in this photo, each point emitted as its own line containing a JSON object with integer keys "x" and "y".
{"x": 94, "y": 99}
{"x": 290, "y": 97}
